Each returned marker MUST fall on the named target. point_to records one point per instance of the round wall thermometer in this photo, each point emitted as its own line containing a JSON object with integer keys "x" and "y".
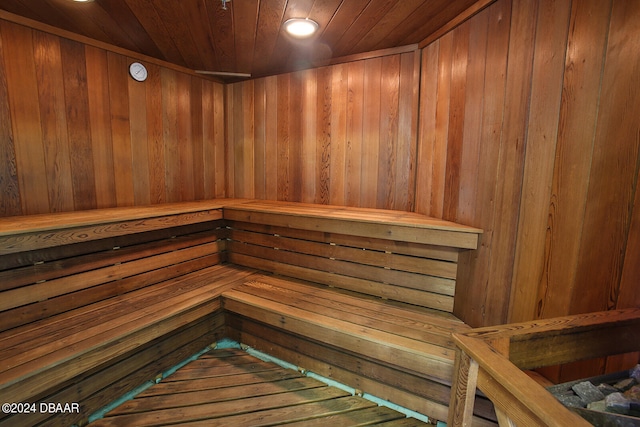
{"x": 138, "y": 71}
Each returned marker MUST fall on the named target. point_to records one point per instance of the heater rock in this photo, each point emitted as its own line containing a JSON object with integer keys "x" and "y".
{"x": 587, "y": 392}
{"x": 617, "y": 403}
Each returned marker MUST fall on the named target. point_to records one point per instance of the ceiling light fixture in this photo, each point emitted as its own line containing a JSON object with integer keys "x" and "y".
{"x": 299, "y": 27}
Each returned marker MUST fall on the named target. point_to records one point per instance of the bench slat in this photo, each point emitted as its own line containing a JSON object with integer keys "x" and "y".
{"x": 50, "y": 238}
{"x": 323, "y": 303}
{"x": 362, "y": 255}
{"x": 406, "y": 248}
{"x": 395, "y": 350}
{"x": 42, "y": 271}
{"x": 393, "y": 225}
{"x": 41, "y": 291}
{"x": 356, "y": 284}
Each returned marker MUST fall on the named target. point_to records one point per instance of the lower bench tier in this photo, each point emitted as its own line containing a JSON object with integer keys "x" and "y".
{"x": 400, "y": 355}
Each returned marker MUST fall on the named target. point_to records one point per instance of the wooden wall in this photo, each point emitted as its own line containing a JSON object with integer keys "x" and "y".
{"x": 344, "y": 134}
{"x": 76, "y": 132}
{"x": 533, "y": 135}
{"x": 522, "y": 121}
{"x": 528, "y": 127}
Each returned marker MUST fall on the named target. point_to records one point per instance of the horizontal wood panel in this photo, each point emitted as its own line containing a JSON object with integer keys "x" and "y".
{"x": 349, "y": 269}
{"x": 385, "y": 260}
{"x": 430, "y": 327}
{"x": 53, "y": 237}
{"x": 49, "y": 270}
{"x": 97, "y": 389}
{"x": 405, "y": 248}
{"x": 396, "y": 293}
{"x": 53, "y": 306}
{"x": 426, "y": 234}
{"x": 51, "y": 288}
{"x": 417, "y": 393}
{"x": 423, "y": 357}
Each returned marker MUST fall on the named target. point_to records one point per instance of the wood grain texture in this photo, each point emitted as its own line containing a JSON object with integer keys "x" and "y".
{"x": 81, "y": 134}
{"x": 333, "y": 134}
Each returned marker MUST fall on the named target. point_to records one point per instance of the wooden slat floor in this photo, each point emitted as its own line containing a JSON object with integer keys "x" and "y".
{"x": 232, "y": 388}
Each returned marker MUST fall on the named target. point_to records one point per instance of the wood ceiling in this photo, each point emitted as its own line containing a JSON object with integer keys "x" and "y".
{"x": 248, "y": 36}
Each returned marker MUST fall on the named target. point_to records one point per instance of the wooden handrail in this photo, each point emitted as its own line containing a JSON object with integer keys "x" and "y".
{"x": 491, "y": 359}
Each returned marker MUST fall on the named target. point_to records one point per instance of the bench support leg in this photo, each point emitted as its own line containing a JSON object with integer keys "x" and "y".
{"x": 463, "y": 391}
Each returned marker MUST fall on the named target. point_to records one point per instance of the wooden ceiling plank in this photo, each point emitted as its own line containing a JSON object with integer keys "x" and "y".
{"x": 248, "y": 37}
{"x": 460, "y": 16}
{"x": 342, "y": 20}
{"x": 148, "y": 17}
{"x": 129, "y": 25}
{"x": 373, "y": 13}
{"x": 175, "y": 19}
{"x": 381, "y": 36}
{"x": 245, "y": 21}
{"x": 90, "y": 19}
{"x": 221, "y": 25}
{"x": 201, "y": 32}
{"x": 270, "y": 18}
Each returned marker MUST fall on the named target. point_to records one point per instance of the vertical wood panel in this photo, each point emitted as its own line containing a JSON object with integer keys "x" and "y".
{"x": 219, "y": 140}
{"x": 259, "y": 138}
{"x": 78, "y": 124}
{"x": 343, "y": 134}
{"x": 139, "y": 142}
{"x": 196, "y": 138}
{"x": 510, "y": 163}
{"x": 186, "y": 171}
{"x": 388, "y": 140}
{"x": 546, "y": 94}
{"x": 283, "y": 141}
{"x": 100, "y": 119}
{"x": 456, "y": 122}
{"x": 295, "y": 137}
{"x": 426, "y": 132}
{"x": 371, "y": 132}
{"x": 120, "y": 130}
{"x": 614, "y": 171}
{"x": 441, "y": 126}
{"x": 406, "y": 151}
{"x": 474, "y": 269}
{"x": 308, "y": 150}
{"x": 80, "y": 133}
{"x": 22, "y": 93}
{"x": 51, "y": 96}
{"x": 354, "y": 140}
{"x": 10, "y": 203}
{"x": 323, "y": 138}
{"x": 271, "y": 149}
{"x": 338, "y": 133}
{"x": 154, "y": 134}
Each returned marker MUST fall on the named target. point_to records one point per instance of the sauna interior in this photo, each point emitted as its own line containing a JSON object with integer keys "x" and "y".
{"x": 343, "y": 202}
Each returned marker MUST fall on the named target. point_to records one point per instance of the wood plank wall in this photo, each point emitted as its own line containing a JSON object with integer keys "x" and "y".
{"x": 522, "y": 121}
{"x": 343, "y": 134}
{"x": 527, "y": 129}
{"x": 533, "y": 136}
{"x": 78, "y": 133}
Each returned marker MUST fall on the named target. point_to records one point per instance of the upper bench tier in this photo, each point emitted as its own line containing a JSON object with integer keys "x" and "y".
{"x": 375, "y": 223}
{"x": 24, "y": 233}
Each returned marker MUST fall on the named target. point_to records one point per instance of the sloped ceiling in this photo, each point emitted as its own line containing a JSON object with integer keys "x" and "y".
{"x": 247, "y": 36}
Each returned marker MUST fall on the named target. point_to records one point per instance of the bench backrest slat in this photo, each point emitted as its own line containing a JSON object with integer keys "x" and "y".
{"x": 399, "y": 256}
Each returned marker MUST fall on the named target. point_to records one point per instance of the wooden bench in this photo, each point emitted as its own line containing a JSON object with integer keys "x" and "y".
{"x": 93, "y": 304}
{"x": 382, "y": 322}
